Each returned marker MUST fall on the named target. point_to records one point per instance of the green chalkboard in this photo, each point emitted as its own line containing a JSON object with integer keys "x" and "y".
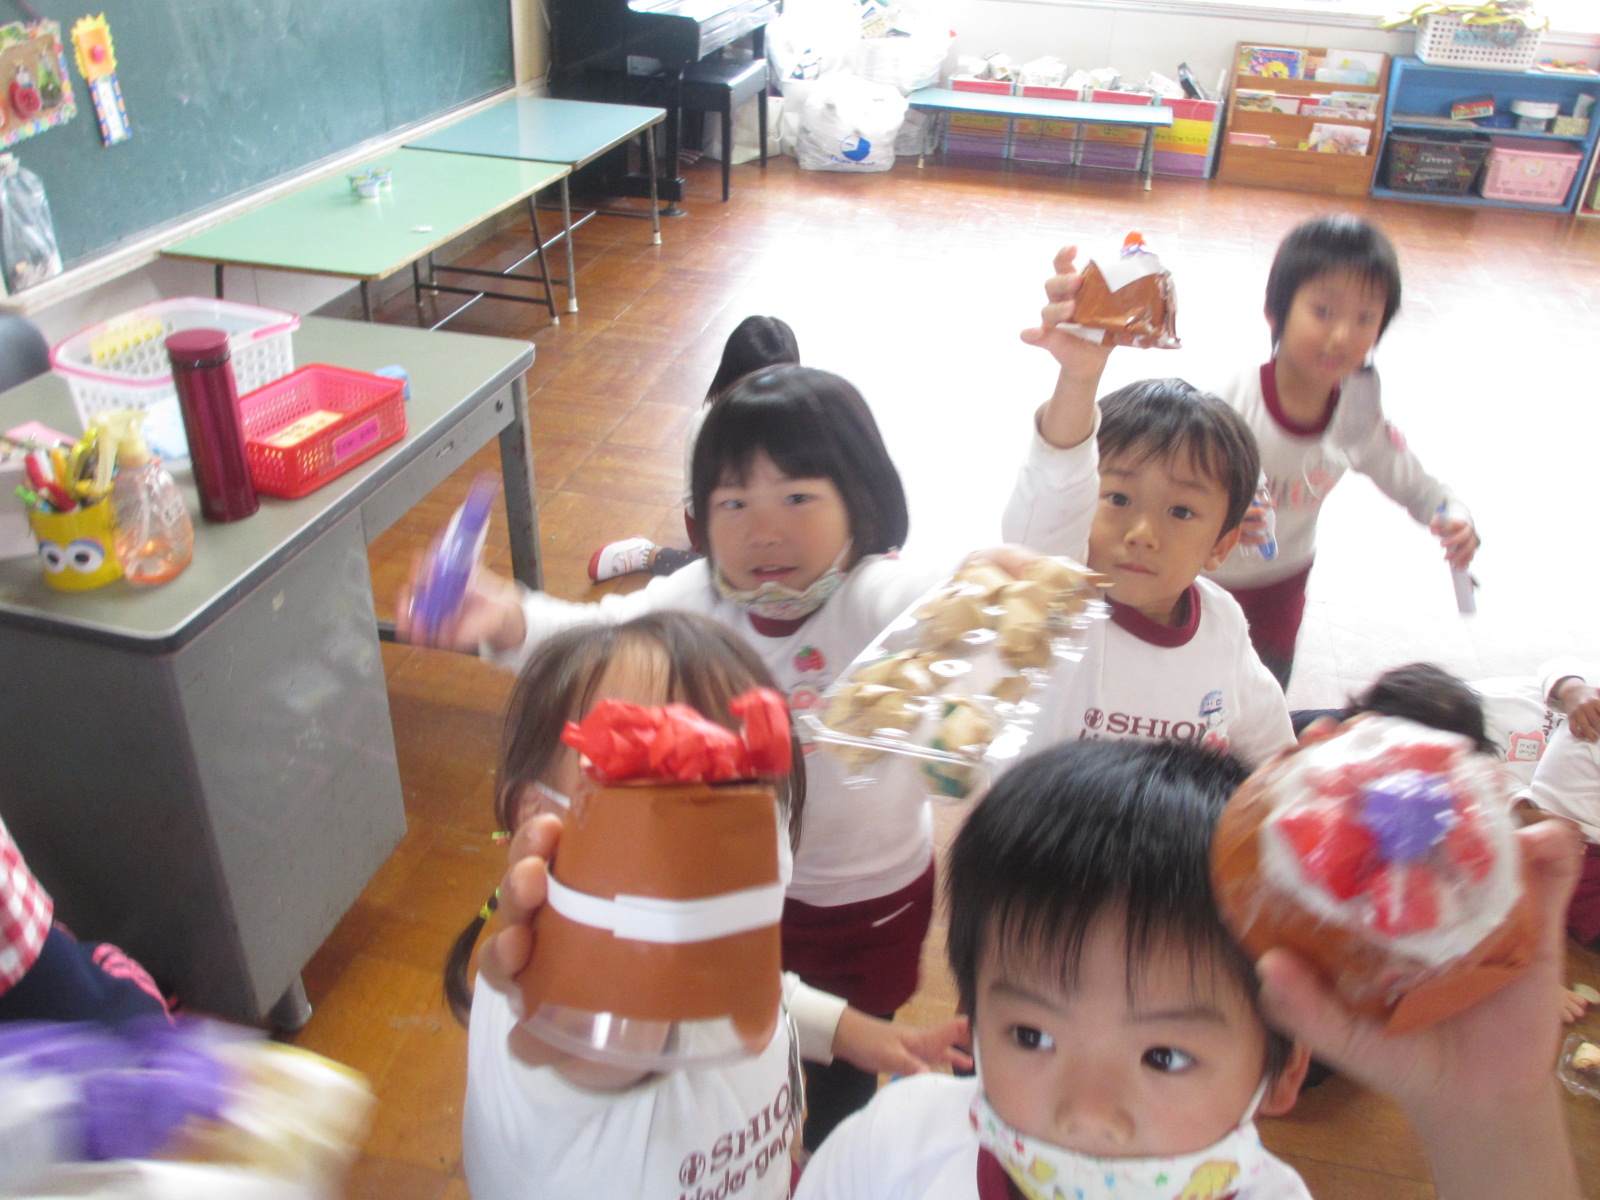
{"x": 224, "y": 96}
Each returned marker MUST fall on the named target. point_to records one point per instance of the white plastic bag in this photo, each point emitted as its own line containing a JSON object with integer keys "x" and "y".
{"x": 906, "y": 63}
{"x": 849, "y": 124}
{"x": 27, "y": 234}
{"x": 746, "y": 131}
{"x": 806, "y": 43}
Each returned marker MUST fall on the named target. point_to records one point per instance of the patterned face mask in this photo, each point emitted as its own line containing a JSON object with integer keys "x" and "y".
{"x": 1043, "y": 1171}
{"x": 776, "y": 602}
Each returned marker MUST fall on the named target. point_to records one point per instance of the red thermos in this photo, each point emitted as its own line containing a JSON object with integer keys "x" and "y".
{"x": 209, "y": 399}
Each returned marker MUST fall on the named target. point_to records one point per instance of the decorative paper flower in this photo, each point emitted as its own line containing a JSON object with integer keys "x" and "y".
{"x": 627, "y": 743}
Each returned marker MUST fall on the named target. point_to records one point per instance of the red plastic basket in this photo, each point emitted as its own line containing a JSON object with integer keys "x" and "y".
{"x": 315, "y": 424}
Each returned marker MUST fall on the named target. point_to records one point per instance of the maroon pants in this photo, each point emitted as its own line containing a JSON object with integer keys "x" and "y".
{"x": 868, "y": 952}
{"x": 1583, "y": 914}
{"x": 1275, "y": 612}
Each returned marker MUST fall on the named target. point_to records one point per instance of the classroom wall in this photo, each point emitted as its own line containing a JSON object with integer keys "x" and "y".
{"x": 1089, "y": 35}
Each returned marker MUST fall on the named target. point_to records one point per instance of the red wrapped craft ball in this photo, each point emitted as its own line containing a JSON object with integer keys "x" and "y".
{"x": 1385, "y": 856}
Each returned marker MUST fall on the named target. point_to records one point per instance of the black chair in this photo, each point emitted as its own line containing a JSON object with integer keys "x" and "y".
{"x": 23, "y": 351}
{"x": 719, "y": 85}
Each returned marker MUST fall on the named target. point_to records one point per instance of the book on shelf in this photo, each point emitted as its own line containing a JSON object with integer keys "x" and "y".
{"x": 1364, "y": 67}
{"x": 1271, "y": 62}
{"x": 1339, "y": 139}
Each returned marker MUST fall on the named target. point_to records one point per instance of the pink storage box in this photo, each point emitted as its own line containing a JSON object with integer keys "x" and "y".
{"x": 1529, "y": 171}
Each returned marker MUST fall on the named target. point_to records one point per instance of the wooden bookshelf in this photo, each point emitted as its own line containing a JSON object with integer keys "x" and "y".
{"x": 1284, "y": 164}
{"x": 1588, "y": 199}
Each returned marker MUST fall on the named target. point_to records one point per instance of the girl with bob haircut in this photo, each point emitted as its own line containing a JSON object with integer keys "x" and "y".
{"x": 800, "y": 510}
{"x": 539, "y": 1118}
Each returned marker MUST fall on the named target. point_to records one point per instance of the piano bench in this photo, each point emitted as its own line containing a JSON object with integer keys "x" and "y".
{"x": 717, "y": 85}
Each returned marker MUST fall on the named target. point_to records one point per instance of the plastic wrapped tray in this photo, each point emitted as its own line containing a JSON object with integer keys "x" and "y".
{"x": 954, "y": 681}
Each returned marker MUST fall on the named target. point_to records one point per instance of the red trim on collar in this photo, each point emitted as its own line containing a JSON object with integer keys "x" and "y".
{"x": 768, "y": 627}
{"x": 993, "y": 1182}
{"x": 1269, "y": 396}
{"x": 1146, "y": 630}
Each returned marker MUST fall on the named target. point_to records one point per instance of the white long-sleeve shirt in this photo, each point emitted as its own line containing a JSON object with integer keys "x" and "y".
{"x": 1302, "y": 465}
{"x": 1200, "y": 682}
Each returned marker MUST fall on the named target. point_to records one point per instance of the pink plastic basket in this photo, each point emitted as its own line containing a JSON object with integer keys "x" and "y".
{"x": 315, "y": 424}
{"x": 1529, "y": 171}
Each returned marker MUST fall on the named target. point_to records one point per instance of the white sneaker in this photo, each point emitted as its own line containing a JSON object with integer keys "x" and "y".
{"x": 621, "y": 558}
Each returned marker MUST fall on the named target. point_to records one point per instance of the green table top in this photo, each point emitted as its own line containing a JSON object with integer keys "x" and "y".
{"x": 1153, "y": 116}
{"x": 540, "y": 128}
{"x": 325, "y": 229}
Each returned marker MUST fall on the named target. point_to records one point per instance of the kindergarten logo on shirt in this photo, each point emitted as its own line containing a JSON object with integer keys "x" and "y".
{"x": 741, "y": 1156}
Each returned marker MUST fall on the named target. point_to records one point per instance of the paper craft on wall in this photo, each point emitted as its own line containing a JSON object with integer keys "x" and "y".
{"x": 91, "y": 43}
{"x": 35, "y": 91}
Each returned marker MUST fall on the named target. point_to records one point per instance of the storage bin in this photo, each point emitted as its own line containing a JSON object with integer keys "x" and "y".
{"x": 1444, "y": 39}
{"x": 315, "y": 424}
{"x": 122, "y": 363}
{"x": 1529, "y": 171}
{"x": 1438, "y": 164}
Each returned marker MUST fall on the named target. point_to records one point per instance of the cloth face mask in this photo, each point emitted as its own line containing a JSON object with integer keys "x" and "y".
{"x": 777, "y": 602}
{"x": 1043, "y": 1171}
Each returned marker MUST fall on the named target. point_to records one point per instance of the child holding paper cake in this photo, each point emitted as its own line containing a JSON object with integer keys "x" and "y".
{"x": 1126, "y": 1043}
{"x": 802, "y": 511}
{"x": 541, "y": 1119}
{"x": 1154, "y": 483}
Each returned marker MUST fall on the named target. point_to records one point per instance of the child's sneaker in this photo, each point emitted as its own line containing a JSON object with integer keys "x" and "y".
{"x": 621, "y": 558}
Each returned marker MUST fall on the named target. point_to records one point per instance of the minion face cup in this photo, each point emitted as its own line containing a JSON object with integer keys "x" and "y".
{"x": 76, "y": 547}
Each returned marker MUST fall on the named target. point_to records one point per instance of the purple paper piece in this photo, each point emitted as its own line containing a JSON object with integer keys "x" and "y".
{"x": 454, "y": 555}
{"x": 1408, "y": 812}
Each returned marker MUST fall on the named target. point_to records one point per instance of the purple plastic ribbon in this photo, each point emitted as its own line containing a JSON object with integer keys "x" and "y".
{"x": 1408, "y": 812}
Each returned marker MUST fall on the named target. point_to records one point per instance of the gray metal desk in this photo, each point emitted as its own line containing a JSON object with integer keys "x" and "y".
{"x": 204, "y": 772}
{"x": 540, "y": 129}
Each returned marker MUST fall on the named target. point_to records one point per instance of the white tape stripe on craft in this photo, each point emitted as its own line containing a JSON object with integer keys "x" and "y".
{"x": 670, "y": 922}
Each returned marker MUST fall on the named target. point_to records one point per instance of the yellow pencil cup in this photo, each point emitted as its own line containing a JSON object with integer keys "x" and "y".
{"x": 78, "y": 548}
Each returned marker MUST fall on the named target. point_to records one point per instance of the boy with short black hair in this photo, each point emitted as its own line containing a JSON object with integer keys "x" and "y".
{"x": 1149, "y": 489}
{"x": 1119, "y": 1044}
{"x": 1315, "y": 409}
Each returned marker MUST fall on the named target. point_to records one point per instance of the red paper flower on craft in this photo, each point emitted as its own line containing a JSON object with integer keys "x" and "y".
{"x": 625, "y": 743}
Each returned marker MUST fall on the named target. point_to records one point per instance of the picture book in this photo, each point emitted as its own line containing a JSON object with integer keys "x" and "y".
{"x": 1339, "y": 139}
{"x": 1272, "y": 62}
{"x": 1350, "y": 66}
{"x": 1254, "y": 100}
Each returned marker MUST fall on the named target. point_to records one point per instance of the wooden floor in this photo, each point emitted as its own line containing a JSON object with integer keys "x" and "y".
{"x": 914, "y": 285}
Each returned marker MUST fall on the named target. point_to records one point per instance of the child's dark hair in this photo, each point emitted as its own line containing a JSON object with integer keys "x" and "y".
{"x": 1430, "y": 696}
{"x": 1336, "y": 242}
{"x": 812, "y": 425}
{"x": 1088, "y": 828}
{"x": 704, "y": 667}
{"x": 1173, "y": 420}
{"x": 755, "y": 342}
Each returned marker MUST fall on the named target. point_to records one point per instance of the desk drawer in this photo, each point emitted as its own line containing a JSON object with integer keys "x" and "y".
{"x": 442, "y": 456}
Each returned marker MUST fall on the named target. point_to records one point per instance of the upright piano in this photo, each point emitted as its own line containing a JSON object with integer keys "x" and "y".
{"x": 634, "y": 52}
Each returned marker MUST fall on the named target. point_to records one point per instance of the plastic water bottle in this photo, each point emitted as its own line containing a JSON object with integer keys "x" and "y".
{"x": 1267, "y": 550}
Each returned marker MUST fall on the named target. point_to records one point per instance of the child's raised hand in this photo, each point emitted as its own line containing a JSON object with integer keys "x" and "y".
{"x": 1459, "y": 539}
{"x": 491, "y": 612}
{"x": 1082, "y": 358}
{"x": 882, "y": 1047}
{"x": 1480, "y": 1086}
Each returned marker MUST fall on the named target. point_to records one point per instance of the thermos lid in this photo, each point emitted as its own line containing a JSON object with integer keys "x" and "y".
{"x": 198, "y": 347}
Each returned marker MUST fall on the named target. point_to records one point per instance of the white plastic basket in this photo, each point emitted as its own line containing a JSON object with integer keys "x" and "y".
{"x": 122, "y": 363}
{"x": 1446, "y": 40}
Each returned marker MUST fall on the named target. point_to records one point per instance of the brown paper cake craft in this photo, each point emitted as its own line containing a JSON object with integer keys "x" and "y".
{"x": 1386, "y": 857}
{"x": 1128, "y": 299}
{"x": 658, "y": 944}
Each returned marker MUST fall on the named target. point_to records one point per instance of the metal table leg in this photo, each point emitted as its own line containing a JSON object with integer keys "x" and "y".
{"x": 566, "y": 225}
{"x": 516, "y": 472}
